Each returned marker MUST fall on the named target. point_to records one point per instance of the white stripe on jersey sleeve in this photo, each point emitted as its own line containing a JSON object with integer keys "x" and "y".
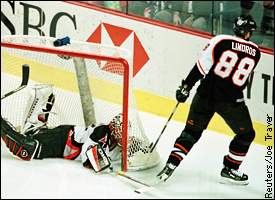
{"x": 82, "y": 133}
{"x": 205, "y": 60}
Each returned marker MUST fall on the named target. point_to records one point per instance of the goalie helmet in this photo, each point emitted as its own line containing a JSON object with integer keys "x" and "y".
{"x": 116, "y": 129}
{"x": 135, "y": 144}
{"x": 243, "y": 25}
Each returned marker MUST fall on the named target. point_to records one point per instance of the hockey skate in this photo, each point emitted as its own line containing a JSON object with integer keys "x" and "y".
{"x": 38, "y": 113}
{"x": 166, "y": 172}
{"x": 233, "y": 176}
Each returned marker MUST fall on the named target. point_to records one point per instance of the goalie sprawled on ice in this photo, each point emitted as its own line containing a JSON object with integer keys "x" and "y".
{"x": 95, "y": 146}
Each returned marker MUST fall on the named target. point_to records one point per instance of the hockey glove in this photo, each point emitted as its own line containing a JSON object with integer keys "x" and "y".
{"x": 21, "y": 146}
{"x": 182, "y": 92}
{"x": 166, "y": 171}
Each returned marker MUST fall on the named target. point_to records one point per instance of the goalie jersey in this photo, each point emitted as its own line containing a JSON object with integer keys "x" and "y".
{"x": 226, "y": 63}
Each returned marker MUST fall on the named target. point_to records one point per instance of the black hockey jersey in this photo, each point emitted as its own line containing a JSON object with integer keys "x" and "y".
{"x": 226, "y": 62}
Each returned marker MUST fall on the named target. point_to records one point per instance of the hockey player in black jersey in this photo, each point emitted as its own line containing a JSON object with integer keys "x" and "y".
{"x": 96, "y": 146}
{"x": 224, "y": 68}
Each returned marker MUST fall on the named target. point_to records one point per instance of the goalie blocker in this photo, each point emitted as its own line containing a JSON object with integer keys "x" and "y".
{"x": 98, "y": 158}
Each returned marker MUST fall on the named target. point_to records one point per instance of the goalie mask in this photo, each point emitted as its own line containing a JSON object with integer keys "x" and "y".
{"x": 116, "y": 131}
{"x": 135, "y": 144}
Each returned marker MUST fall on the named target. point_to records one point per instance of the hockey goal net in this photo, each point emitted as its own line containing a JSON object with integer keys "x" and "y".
{"x": 84, "y": 75}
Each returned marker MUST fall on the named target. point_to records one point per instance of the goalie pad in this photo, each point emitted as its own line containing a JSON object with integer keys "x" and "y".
{"x": 39, "y": 106}
{"x": 98, "y": 158}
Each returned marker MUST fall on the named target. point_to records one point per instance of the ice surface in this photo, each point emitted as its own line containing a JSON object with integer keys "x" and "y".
{"x": 197, "y": 176}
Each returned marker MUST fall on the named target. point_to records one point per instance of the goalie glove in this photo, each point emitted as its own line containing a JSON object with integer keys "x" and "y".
{"x": 182, "y": 92}
{"x": 166, "y": 172}
{"x": 21, "y": 146}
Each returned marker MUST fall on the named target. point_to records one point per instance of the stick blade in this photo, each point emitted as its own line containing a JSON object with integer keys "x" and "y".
{"x": 144, "y": 189}
{"x": 137, "y": 191}
{"x": 25, "y": 79}
{"x": 25, "y": 74}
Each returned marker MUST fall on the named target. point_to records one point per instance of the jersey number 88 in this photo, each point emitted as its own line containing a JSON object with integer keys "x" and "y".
{"x": 227, "y": 63}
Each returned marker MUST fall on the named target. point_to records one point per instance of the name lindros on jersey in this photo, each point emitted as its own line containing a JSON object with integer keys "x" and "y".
{"x": 244, "y": 48}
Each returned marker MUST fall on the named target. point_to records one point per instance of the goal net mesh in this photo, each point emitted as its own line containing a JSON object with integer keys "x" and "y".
{"x": 110, "y": 87}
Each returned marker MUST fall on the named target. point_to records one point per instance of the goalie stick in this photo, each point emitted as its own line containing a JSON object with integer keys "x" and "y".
{"x": 153, "y": 147}
{"x": 25, "y": 79}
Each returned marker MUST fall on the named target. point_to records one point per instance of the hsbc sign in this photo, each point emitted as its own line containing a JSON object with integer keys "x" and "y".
{"x": 31, "y": 18}
{"x": 121, "y": 37}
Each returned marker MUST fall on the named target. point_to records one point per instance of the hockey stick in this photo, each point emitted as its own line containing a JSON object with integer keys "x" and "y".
{"x": 153, "y": 147}
{"x": 25, "y": 79}
{"x": 146, "y": 187}
{"x": 121, "y": 173}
